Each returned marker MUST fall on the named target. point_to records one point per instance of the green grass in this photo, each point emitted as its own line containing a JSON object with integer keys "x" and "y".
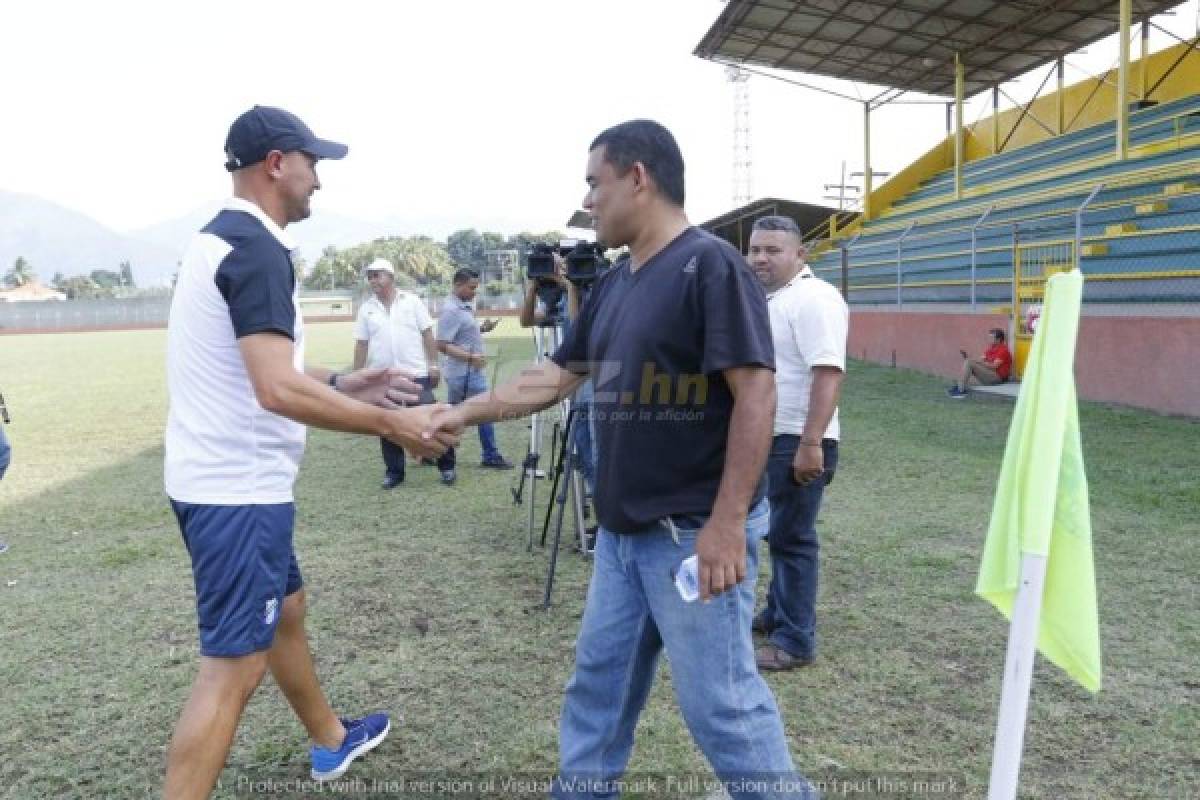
{"x": 97, "y": 630}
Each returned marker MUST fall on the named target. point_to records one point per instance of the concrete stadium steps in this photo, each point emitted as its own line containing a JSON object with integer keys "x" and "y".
{"x": 1138, "y": 117}
{"x": 1146, "y": 243}
{"x": 959, "y": 226}
{"x": 949, "y": 259}
{"x": 1083, "y": 175}
{"x": 1148, "y": 125}
{"x": 1093, "y": 147}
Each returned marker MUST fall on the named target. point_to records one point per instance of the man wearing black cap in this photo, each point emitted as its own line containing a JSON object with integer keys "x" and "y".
{"x": 240, "y": 399}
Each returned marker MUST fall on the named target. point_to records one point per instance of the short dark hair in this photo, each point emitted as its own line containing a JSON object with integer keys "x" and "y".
{"x": 775, "y": 222}
{"x": 648, "y": 142}
{"x": 997, "y": 333}
{"x": 465, "y": 275}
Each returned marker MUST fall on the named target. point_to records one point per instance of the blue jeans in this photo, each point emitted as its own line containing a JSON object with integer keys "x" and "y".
{"x": 791, "y": 612}
{"x": 633, "y": 612}
{"x": 458, "y": 389}
{"x": 584, "y": 440}
{"x": 5, "y": 451}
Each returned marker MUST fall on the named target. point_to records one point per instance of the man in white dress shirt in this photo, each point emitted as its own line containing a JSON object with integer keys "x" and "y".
{"x": 394, "y": 329}
{"x": 809, "y": 322}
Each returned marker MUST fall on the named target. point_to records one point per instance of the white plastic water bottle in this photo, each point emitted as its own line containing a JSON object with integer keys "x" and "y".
{"x": 687, "y": 579}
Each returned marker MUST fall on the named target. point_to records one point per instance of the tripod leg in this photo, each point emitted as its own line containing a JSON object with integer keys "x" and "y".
{"x": 558, "y": 526}
{"x": 553, "y": 560}
{"x": 554, "y": 494}
{"x": 565, "y": 454}
{"x": 529, "y": 523}
{"x": 577, "y": 494}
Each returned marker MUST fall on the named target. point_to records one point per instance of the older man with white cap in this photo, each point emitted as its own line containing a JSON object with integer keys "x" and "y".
{"x": 394, "y": 329}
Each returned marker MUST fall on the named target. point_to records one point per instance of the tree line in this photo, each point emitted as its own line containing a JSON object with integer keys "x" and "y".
{"x": 419, "y": 260}
{"x": 97, "y": 283}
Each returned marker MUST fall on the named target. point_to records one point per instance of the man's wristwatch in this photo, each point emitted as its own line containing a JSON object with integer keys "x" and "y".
{"x": 333, "y": 376}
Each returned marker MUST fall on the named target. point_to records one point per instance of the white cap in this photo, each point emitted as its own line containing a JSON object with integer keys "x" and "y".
{"x": 381, "y": 265}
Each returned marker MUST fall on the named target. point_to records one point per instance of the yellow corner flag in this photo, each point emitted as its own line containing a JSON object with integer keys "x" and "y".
{"x": 1041, "y": 505}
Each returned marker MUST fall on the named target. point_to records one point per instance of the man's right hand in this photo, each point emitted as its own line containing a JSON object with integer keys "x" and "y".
{"x": 420, "y": 431}
{"x": 477, "y": 360}
{"x": 444, "y": 421}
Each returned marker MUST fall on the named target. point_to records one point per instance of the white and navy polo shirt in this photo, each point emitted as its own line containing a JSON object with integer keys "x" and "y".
{"x": 222, "y": 447}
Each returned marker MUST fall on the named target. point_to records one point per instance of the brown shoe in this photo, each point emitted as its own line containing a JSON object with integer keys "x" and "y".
{"x": 772, "y": 658}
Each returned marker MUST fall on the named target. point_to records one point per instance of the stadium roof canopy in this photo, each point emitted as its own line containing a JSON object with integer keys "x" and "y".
{"x": 734, "y": 226}
{"x": 909, "y": 45}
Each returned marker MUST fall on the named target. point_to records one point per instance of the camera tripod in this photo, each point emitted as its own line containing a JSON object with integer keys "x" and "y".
{"x": 568, "y": 485}
{"x": 547, "y": 338}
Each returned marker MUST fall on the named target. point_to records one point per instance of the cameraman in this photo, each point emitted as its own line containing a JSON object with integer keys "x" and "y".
{"x": 532, "y": 316}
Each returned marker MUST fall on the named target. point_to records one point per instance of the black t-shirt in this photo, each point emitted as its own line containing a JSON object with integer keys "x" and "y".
{"x": 655, "y": 343}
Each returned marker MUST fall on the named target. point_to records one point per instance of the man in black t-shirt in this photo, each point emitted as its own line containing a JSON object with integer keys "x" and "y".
{"x": 677, "y": 341}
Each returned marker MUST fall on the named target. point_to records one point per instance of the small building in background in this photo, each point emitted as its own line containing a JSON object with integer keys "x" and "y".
{"x": 31, "y": 292}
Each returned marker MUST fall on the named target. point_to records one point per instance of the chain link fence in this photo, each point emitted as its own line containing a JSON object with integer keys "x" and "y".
{"x": 151, "y": 312}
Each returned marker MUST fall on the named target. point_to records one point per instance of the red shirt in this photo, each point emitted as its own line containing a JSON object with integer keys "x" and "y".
{"x": 999, "y": 353}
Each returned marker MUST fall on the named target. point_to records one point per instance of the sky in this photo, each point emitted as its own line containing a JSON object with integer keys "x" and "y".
{"x": 458, "y": 113}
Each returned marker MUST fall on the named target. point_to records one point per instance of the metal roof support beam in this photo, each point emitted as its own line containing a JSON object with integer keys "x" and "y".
{"x": 1192, "y": 48}
{"x": 1027, "y": 108}
{"x": 1144, "y": 68}
{"x": 801, "y": 84}
{"x": 995, "y": 120}
{"x": 1060, "y": 103}
{"x": 1126, "y": 23}
{"x": 959, "y": 80}
{"x": 1025, "y": 112}
{"x": 1100, "y": 81}
{"x": 866, "y": 198}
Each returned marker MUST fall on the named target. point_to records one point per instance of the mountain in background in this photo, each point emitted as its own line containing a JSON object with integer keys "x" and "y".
{"x": 56, "y": 239}
{"x": 313, "y": 235}
{"x": 327, "y": 228}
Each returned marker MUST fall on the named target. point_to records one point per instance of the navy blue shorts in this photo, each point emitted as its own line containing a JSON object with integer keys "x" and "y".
{"x": 244, "y": 566}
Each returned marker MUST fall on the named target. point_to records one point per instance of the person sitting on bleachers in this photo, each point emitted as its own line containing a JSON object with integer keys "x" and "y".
{"x": 993, "y": 368}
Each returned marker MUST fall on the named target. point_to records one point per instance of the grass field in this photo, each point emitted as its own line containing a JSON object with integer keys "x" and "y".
{"x": 98, "y": 641}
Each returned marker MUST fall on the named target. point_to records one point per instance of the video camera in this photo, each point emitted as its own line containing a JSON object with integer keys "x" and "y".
{"x": 539, "y": 264}
{"x": 539, "y": 268}
{"x": 585, "y": 263}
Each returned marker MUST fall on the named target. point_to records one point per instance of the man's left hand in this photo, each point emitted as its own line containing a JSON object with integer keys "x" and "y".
{"x": 721, "y": 552}
{"x": 809, "y": 464}
{"x": 381, "y": 386}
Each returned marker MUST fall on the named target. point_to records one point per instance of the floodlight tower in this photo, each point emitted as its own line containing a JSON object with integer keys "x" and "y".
{"x": 742, "y": 164}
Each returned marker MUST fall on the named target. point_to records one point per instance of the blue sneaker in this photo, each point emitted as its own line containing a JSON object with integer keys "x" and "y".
{"x": 956, "y": 393}
{"x": 362, "y": 735}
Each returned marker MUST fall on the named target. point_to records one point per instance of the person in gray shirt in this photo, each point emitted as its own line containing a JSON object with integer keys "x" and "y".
{"x": 460, "y": 340}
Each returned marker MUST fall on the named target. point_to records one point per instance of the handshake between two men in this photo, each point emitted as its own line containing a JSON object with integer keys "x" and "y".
{"x": 407, "y": 423}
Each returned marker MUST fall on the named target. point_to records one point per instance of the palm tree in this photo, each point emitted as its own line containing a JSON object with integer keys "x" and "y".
{"x": 21, "y": 273}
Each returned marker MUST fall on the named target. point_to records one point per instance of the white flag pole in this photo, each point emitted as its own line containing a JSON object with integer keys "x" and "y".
{"x": 1018, "y": 677}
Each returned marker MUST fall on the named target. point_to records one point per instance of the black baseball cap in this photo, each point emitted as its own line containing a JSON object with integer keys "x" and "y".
{"x": 263, "y": 129}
